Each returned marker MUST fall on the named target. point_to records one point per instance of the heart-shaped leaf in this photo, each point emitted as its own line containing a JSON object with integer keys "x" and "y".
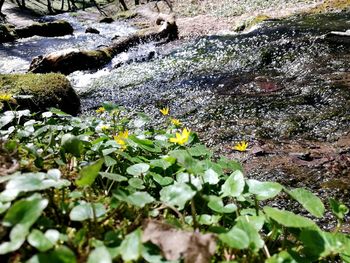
{"x": 264, "y": 190}
{"x": 308, "y": 200}
{"x": 233, "y": 185}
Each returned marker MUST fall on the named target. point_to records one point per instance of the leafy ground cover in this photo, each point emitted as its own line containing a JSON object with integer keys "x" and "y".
{"x": 113, "y": 188}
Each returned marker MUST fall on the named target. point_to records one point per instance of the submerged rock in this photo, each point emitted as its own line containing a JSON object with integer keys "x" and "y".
{"x": 92, "y": 30}
{"x": 107, "y": 20}
{"x": 39, "y": 92}
{"x": 6, "y": 33}
{"x": 49, "y": 29}
{"x": 338, "y": 37}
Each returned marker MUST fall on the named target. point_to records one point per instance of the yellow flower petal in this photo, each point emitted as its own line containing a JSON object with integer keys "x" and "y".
{"x": 100, "y": 110}
{"x": 165, "y": 111}
{"x": 181, "y": 138}
{"x": 241, "y": 146}
{"x": 176, "y": 122}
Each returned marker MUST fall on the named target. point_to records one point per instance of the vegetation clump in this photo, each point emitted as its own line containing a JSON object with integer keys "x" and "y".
{"x": 39, "y": 92}
{"x": 116, "y": 189}
{"x": 252, "y": 21}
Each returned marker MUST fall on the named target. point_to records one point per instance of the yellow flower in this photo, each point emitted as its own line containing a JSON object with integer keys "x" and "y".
{"x": 121, "y": 137}
{"x": 181, "y": 138}
{"x": 241, "y": 146}
{"x": 176, "y": 122}
{"x": 100, "y": 110}
{"x": 165, "y": 111}
{"x": 7, "y": 97}
{"x": 105, "y": 128}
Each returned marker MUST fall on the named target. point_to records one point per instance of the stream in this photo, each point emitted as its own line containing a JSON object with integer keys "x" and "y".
{"x": 281, "y": 85}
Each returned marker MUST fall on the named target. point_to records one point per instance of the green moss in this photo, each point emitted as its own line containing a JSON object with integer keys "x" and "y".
{"x": 49, "y": 29}
{"x": 252, "y": 21}
{"x": 47, "y": 90}
{"x": 7, "y": 33}
{"x": 126, "y": 14}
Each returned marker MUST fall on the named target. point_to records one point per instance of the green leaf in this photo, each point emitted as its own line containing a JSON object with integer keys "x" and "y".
{"x": 136, "y": 183}
{"x": 216, "y": 204}
{"x": 86, "y": 211}
{"x": 318, "y": 243}
{"x": 263, "y": 190}
{"x": 109, "y": 161}
{"x": 287, "y": 257}
{"x": 138, "y": 169}
{"x": 21, "y": 215}
{"x": 100, "y": 255}
{"x": 287, "y": 218}
{"x": 206, "y": 219}
{"x": 4, "y": 207}
{"x": 131, "y": 247}
{"x": 187, "y": 161}
{"x": 177, "y": 195}
{"x": 28, "y": 182}
{"x": 250, "y": 228}
{"x": 58, "y": 112}
{"x": 114, "y": 177}
{"x": 233, "y": 185}
{"x": 338, "y": 208}
{"x": 161, "y": 163}
{"x": 89, "y": 173}
{"x": 38, "y": 240}
{"x": 309, "y": 201}
{"x": 235, "y": 238}
{"x": 210, "y": 177}
{"x": 71, "y": 144}
{"x": 163, "y": 181}
{"x": 199, "y": 150}
{"x": 231, "y": 165}
{"x": 140, "y": 199}
{"x": 145, "y": 144}
{"x": 61, "y": 254}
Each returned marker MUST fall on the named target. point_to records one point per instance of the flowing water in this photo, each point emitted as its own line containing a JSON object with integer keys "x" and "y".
{"x": 281, "y": 81}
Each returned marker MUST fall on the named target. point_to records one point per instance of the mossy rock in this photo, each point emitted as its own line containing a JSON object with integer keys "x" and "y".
{"x": 46, "y": 90}
{"x": 49, "y": 29}
{"x": 330, "y": 6}
{"x": 250, "y": 22}
{"x": 68, "y": 62}
{"x": 7, "y": 33}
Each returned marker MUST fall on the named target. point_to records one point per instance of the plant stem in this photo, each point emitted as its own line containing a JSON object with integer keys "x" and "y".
{"x": 193, "y": 212}
{"x": 256, "y": 205}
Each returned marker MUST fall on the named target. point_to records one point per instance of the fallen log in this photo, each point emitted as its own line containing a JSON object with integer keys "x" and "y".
{"x": 69, "y": 61}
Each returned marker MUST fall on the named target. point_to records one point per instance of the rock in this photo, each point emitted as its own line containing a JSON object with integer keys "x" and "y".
{"x": 107, "y": 20}
{"x": 7, "y": 34}
{"x": 68, "y": 61}
{"x": 49, "y": 29}
{"x": 92, "y": 30}
{"x": 338, "y": 37}
{"x": 44, "y": 90}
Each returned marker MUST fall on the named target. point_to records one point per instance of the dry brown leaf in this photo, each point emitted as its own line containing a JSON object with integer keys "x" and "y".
{"x": 175, "y": 244}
